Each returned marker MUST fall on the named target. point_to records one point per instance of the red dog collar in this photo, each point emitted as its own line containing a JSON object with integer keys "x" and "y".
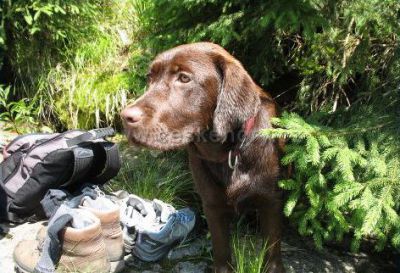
{"x": 249, "y": 125}
{"x": 247, "y": 129}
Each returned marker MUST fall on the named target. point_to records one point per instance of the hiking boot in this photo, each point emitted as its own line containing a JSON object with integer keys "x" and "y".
{"x": 82, "y": 248}
{"x": 108, "y": 213}
{"x": 152, "y": 245}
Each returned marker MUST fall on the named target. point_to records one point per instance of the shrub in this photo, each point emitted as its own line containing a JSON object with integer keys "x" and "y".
{"x": 76, "y": 60}
{"x": 19, "y": 116}
{"x": 331, "y": 53}
{"x": 36, "y": 34}
{"x": 346, "y": 180}
{"x": 104, "y": 72}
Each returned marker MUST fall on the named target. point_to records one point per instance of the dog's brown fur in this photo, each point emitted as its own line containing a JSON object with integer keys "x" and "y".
{"x": 200, "y": 97}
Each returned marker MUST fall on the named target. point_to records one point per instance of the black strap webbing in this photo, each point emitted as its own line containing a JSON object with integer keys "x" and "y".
{"x": 83, "y": 160}
{"x": 112, "y": 163}
{"x": 91, "y": 135}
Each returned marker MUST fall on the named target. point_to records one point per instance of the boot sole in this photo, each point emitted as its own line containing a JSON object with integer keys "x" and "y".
{"x": 116, "y": 267}
{"x": 20, "y": 270}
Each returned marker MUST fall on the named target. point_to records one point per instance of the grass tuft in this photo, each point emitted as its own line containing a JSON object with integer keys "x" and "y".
{"x": 164, "y": 176}
{"x": 249, "y": 252}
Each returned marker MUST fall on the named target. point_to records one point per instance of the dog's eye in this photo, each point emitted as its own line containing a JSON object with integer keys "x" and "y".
{"x": 183, "y": 78}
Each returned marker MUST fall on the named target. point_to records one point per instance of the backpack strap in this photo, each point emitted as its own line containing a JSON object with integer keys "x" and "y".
{"x": 112, "y": 163}
{"x": 5, "y": 213}
{"x": 91, "y": 135}
{"x": 5, "y": 200}
{"x": 83, "y": 160}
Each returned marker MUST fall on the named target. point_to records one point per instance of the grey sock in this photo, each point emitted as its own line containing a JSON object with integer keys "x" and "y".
{"x": 51, "y": 251}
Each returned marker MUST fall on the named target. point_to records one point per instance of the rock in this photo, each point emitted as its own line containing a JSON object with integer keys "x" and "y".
{"x": 9, "y": 237}
{"x": 193, "y": 248}
{"x": 155, "y": 269}
{"x": 135, "y": 265}
{"x": 300, "y": 255}
{"x": 189, "y": 267}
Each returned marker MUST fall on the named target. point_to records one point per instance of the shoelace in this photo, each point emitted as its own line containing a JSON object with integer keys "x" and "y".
{"x": 99, "y": 192}
{"x": 180, "y": 218}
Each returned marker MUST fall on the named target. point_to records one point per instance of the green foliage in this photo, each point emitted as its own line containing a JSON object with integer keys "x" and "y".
{"x": 346, "y": 180}
{"x": 334, "y": 51}
{"x": 54, "y": 17}
{"x": 338, "y": 60}
{"x": 104, "y": 72}
{"x": 90, "y": 67}
{"x": 16, "y": 113}
{"x": 37, "y": 33}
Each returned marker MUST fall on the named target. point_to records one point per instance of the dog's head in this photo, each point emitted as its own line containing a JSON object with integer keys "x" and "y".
{"x": 191, "y": 88}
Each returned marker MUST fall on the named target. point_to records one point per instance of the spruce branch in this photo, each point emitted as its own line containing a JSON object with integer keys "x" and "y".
{"x": 345, "y": 180}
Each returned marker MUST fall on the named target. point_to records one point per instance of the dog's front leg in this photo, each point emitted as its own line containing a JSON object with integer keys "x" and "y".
{"x": 217, "y": 212}
{"x": 270, "y": 211}
{"x": 218, "y": 221}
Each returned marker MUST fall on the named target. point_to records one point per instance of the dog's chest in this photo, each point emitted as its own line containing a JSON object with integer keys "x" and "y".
{"x": 221, "y": 172}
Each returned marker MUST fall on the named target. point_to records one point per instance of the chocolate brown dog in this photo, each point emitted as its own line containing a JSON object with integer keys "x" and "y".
{"x": 200, "y": 97}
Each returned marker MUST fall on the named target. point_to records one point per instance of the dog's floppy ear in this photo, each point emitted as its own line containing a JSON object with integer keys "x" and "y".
{"x": 237, "y": 99}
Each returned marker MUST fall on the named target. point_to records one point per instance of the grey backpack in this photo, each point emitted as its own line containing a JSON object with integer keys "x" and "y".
{"x": 35, "y": 163}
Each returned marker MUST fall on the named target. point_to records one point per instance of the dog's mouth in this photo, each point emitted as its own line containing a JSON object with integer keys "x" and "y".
{"x": 158, "y": 139}
{"x": 153, "y": 145}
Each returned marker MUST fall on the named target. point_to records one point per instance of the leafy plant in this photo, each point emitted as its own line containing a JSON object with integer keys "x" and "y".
{"x": 346, "y": 180}
{"x": 17, "y": 115}
{"x": 101, "y": 75}
{"x": 36, "y": 34}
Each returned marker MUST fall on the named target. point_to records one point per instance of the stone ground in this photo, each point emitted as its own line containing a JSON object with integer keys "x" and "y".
{"x": 299, "y": 255}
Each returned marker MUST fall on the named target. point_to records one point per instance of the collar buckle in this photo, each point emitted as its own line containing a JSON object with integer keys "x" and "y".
{"x": 247, "y": 129}
{"x": 231, "y": 164}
